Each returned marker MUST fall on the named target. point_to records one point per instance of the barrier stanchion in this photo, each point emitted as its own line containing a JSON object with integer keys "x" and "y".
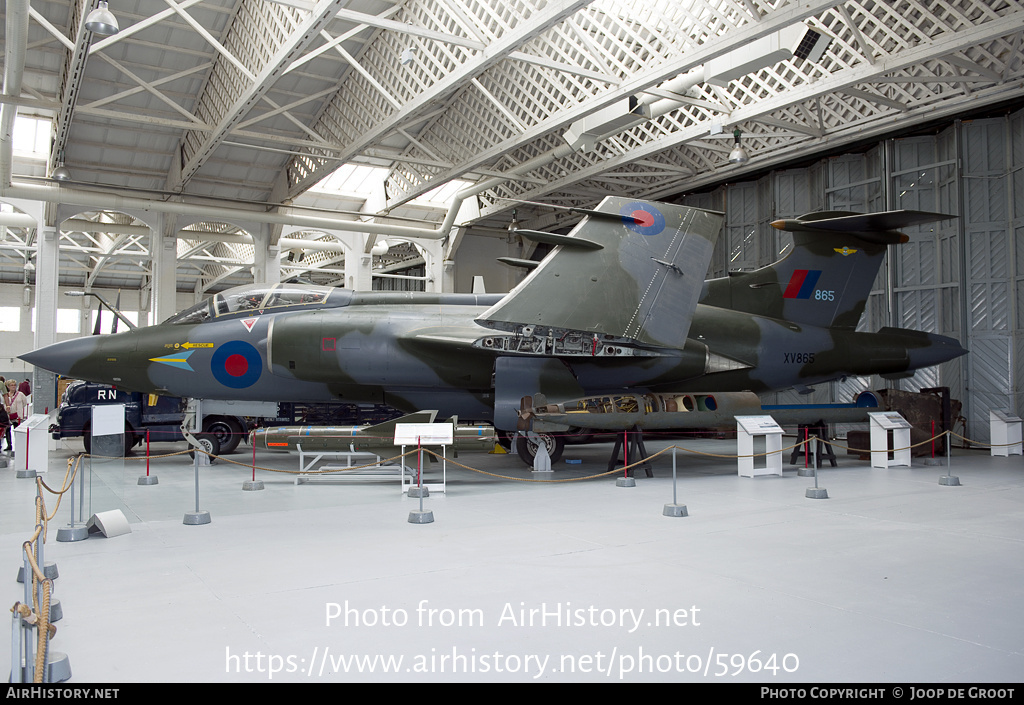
{"x": 675, "y": 509}
{"x": 420, "y": 516}
{"x": 148, "y": 479}
{"x": 199, "y": 516}
{"x": 625, "y": 480}
{"x": 932, "y": 460}
{"x": 949, "y": 479}
{"x": 253, "y": 484}
{"x": 815, "y": 492}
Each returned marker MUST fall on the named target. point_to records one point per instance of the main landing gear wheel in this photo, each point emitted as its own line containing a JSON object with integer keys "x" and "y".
{"x": 527, "y": 446}
{"x": 227, "y": 431}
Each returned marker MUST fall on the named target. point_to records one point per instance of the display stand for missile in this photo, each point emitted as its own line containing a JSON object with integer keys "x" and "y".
{"x": 1005, "y": 431}
{"x": 309, "y": 459}
{"x": 749, "y": 427}
{"x": 882, "y": 423}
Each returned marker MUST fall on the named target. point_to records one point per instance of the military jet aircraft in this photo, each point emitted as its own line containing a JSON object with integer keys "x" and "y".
{"x": 620, "y": 304}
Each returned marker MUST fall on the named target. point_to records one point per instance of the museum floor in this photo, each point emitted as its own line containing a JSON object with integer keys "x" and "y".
{"x": 893, "y": 578}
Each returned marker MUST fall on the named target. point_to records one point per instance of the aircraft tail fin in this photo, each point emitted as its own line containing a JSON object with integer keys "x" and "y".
{"x": 826, "y": 279}
{"x": 630, "y": 270}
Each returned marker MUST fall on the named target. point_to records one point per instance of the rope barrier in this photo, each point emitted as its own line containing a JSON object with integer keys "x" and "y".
{"x": 625, "y": 468}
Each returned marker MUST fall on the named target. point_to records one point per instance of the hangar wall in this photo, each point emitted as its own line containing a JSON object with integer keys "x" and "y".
{"x": 963, "y": 277}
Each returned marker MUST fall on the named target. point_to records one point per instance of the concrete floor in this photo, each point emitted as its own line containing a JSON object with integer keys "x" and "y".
{"x": 893, "y": 578}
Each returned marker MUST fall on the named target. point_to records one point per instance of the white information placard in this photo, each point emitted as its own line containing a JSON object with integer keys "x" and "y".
{"x": 759, "y": 424}
{"x": 108, "y": 419}
{"x": 426, "y": 434}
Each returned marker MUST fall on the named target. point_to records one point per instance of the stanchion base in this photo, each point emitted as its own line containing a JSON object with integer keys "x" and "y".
{"x": 625, "y": 482}
{"x": 50, "y": 572}
{"x": 3, "y": 463}
{"x": 421, "y": 517}
{"x": 196, "y": 518}
{"x": 58, "y": 667}
{"x": 805, "y": 472}
{"x": 417, "y": 492}
{"x": 26, "y": 473}
{"x": 77, "y": 532}
{"x": 674, "y": 510}
{"x": 932, "y": 462}
{"x": 149, "y": 480}
{"x": 252, "y": 485}
{"x": 56, "y": 612}
{"x": 949, "y": 481}
{"x": 816, "y": 493}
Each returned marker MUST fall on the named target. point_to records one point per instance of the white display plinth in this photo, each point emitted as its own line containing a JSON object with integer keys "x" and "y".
{"x": 31, "y": 450}
{"x": 747, "y": 427}
{"x": 1005, "y": 431}
{"x": 881, "y": 423}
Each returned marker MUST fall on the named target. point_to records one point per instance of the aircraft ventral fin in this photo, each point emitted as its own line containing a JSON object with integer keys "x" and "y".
{"x": 642, "y": 284}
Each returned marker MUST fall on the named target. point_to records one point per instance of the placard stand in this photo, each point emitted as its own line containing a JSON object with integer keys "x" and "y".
{"x": 422, "y": 435}
{"x": 1005, "y": 432}
{"x": 746, "y": 428}
{"x": 31, "y": 450}
{"x": 881, "y": 423}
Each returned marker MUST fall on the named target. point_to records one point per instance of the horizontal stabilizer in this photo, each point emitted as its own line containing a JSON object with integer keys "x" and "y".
{"x": 642, "y": 286}
{"x": 882, "y": 228}
{"x": 556, "y": 239}
{"x": 580, "y": 211}
{"x": 517, "y": 262}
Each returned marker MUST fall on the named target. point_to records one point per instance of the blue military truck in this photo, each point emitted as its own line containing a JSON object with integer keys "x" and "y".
{"x": 161, "y": 416}
{"x": 158, "y": 416}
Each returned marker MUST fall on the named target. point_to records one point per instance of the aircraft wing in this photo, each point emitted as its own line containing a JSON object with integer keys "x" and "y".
{"x": 636, "y": 276}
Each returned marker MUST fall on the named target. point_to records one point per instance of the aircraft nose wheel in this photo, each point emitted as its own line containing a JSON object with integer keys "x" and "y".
{"x": 526, "y": 446}
{"x": 208, "y": 443}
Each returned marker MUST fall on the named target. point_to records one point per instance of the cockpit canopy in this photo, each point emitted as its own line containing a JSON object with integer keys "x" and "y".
{"x": 253, "y": 298}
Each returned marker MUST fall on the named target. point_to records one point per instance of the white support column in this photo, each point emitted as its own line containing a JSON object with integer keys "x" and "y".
{"x": 448, "y": 265}
{"x": 164, "y": 251}
{"x": 266, "y": 262}
{"x": 433, "y": 261}
{"x": 41, "y": 379}
{"x": 358, "y": 272}
{"x": 47, "y": 262}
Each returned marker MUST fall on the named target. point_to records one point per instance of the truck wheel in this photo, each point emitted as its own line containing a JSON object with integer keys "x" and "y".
{"x": 208, "y": 443}
{"x": 527, "y": 447}
{"x": 227, "y": 431}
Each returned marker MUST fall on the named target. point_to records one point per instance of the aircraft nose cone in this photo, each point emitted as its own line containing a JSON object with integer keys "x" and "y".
{"x": 62, "y": 357}
{"x": 940, "y": 349}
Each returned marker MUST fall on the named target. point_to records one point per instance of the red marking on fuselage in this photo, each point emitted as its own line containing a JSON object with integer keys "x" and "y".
{"x": 236, "y": 365}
